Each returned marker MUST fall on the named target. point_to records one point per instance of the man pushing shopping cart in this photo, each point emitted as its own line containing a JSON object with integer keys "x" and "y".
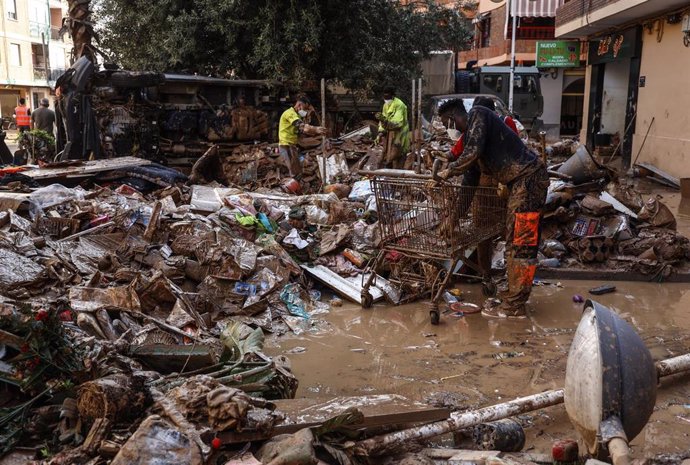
{"x": 492, "y": 149}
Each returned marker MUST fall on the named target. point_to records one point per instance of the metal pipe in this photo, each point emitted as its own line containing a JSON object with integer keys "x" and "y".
{"x": 673, "y": 366}
{"x": 619, "y": 451}
{"x": 323, "y": 139}
{"x": 512, "y": 58}
{"x": 414, "y": 108}
{"x": 379, "y": 445}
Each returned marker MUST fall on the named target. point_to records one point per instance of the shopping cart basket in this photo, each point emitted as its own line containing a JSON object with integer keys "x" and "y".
{"x": 433, "y": 222}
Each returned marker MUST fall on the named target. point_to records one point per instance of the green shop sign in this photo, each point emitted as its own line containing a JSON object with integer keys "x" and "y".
{"x": 558, "y": 54}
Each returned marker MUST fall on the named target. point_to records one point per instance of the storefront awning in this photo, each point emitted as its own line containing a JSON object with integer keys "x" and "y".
{"x": 536, "y": 8}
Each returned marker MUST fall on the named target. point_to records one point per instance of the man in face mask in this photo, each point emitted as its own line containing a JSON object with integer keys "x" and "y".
{"x": 492, "y": 149}
{"x": 394, "y": 129}
{"x": 292, "y": 125}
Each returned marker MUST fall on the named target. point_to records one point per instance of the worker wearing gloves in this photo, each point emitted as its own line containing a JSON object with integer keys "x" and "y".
{"x": 394, "y": 129}
{"x": 491, "y": 148}
{"x": 292, "y": 125}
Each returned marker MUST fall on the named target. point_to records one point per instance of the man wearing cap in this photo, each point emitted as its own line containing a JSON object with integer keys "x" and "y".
{"x": 292, "y": 125}
{"x": 43, "y": 118}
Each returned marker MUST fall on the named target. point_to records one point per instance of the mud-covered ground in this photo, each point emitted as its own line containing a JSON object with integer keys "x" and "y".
{"x": 469, "y": 361}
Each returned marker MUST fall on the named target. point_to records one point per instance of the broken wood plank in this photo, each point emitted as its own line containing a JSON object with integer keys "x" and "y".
{"x": 378, "y": 410}
{"x": 88, "y": 168}
{"x": 447, "y": 454}
{"x": 98, "y": 432}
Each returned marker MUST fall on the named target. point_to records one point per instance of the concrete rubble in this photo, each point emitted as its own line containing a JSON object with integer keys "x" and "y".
{"x": 135, "y": 300}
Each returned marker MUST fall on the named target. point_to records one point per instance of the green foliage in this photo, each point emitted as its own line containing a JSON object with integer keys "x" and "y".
{"x": 365, "y": 44}
{"x": 238, "y": 340}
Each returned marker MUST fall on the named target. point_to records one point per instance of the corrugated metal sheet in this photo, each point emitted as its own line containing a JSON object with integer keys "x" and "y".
{"x": 537, "y": 8}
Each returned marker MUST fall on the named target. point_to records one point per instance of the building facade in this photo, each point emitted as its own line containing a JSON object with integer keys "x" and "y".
{"x": 562, "y": 88}
{"x": 32, "y": 53}
{"x": 636, "y": 78}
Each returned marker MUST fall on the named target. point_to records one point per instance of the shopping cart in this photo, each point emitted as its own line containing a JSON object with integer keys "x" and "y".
{"x": 432, "y": 223}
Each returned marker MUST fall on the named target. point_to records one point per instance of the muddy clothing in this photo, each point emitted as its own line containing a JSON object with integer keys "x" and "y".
{"x": 492, "y": 149}
{"x": 396, "y": 128}
{"x": 526, "y": 199}
{"x": 43, "y": 119}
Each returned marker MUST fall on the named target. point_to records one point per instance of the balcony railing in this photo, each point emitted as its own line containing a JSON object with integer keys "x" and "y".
{"x": 36, "y": 29}
{"x": 52, "y": 75}
{"x": 535, "y": 32}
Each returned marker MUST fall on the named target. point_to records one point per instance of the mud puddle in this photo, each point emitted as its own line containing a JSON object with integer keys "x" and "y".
{"x": 470, "y": 361}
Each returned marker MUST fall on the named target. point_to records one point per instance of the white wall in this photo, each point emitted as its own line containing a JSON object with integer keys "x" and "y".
{"x": 614, "y": 101}
{"x": 662, "y": 105}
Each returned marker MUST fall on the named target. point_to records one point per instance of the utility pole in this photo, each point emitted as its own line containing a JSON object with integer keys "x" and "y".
{"x": 512, "y": 57}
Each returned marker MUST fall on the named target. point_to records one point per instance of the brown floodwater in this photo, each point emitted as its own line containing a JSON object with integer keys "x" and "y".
{"x": 469, "y": 361}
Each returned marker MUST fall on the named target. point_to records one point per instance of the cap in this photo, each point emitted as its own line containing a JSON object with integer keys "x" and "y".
{"x": 45, "y": 102}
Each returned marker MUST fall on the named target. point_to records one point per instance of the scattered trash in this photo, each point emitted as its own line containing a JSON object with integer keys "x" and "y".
{"x": 604, "y": 289}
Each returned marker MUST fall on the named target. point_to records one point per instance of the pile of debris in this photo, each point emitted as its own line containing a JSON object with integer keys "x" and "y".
{"x": 598, "y": 221}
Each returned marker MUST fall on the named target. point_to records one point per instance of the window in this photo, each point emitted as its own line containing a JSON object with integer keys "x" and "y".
{"x": 15, "y": 55}
{"x": 11, "y": 7}
{"x": 525, "y": 85}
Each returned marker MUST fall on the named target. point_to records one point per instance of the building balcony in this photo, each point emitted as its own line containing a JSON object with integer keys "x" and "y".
{"x": 500, "y": 53}
{"x": 39, "y": 31}
{"x": 51, "y": 76}
{"x": 582, "y": 18}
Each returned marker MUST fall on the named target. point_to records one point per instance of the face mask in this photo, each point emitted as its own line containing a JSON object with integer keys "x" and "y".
{"x": 453, "y": 133}
{"x": 387, "y": 101}
{"x": 302, "y": 113}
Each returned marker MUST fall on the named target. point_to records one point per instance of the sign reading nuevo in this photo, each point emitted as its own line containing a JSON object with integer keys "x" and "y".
{"x": 558, "y": 54}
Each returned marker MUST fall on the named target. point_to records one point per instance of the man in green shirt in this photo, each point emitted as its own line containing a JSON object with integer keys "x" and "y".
{"x": 292, "y": 125}
{"x": 394, "y": 129}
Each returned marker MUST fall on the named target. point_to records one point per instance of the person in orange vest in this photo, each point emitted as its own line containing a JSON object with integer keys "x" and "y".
{"x": 22, "y": 116}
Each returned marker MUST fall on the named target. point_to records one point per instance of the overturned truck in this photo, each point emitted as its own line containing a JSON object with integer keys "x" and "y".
{"x": 111, "y": 112}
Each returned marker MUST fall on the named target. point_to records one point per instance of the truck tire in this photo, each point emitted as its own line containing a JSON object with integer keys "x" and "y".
{"x": 136, "y": 79}
{"x": 463, "y": 82}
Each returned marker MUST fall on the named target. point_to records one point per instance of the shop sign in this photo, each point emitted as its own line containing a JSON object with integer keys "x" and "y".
{"x": 624, "y": 44}
{"x": 558, "y": 54}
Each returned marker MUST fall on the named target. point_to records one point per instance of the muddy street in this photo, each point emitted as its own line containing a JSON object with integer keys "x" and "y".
{"x": 471, "y": 361}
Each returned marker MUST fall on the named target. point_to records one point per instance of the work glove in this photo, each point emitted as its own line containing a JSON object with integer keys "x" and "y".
{"x": 321, "y": 131}
{"x": 379, "y": 116}
{"x": 380, "y": 136}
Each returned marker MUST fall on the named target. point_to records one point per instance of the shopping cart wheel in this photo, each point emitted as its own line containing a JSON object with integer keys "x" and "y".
{"x": 435, "y": 317}
{"x": 367, "y": 299}
{"x": 489, "y": 289}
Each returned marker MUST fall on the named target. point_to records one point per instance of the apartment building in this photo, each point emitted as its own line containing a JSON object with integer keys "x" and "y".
{"x": 637, "y": 75}
{"x": 562, "y": 83}
{"x": 32, "y": 53}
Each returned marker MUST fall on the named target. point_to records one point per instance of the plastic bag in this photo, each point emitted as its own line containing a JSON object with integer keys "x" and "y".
{"x": 50, "y": 196}
{"x": 292, "y": 298}
{"x": 361, "y": 190}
